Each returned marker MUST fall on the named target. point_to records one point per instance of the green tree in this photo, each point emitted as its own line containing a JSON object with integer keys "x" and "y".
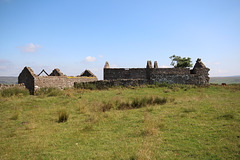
{"x": 179, "y": 62}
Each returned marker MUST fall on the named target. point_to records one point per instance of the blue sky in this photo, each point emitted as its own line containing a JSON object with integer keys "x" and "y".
{"x": 74, "y": 35}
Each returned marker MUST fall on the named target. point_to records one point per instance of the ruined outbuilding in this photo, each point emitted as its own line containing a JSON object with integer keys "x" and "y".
{"x": 198, "y": 75}
{"x": 56, "y": 79}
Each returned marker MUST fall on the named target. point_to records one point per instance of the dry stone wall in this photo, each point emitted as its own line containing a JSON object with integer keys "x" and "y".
{"x": 179, "y": 75}
{"x": 169, "y": 71}
{"x": 59, "y": 81}
{"x": 124, "y": 73}
{"x": 180, "y": 79}
{"x": 111, "y": 83}
{"x": 119, "y": 76}
{"x": 198, "y": 75}
{"x": 6, "y": 86}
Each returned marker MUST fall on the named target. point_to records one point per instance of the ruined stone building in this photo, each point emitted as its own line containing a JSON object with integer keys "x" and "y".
{"x": 198, "y": 75}
{"x": 55, "y": 79}
{"x": 118, "y": 76}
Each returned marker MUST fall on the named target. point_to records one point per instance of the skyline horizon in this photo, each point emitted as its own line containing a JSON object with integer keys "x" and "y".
{"x": 49, "y": 71}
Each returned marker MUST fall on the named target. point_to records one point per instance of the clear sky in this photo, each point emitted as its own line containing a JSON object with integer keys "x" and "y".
{"x": 74, "y": 35}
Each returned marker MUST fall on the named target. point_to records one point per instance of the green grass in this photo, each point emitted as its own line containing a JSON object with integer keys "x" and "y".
{"x": 14, "y": 91}
{"x": 193, "y": 123}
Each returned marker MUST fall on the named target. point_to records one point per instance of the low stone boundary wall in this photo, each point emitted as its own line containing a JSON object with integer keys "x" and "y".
{"x": 112, "y": 83}
{"x": 5, "y": 86}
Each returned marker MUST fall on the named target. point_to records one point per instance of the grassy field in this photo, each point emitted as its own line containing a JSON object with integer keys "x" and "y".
{"x": 121, "y": 123}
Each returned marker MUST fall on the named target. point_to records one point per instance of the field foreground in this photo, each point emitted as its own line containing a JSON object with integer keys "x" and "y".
{"x": 193, "y": 123}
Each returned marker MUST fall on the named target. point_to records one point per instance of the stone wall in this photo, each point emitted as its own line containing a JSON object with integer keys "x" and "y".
{"x": 179, "y": 79}
{"x": 125, "y": 73}
{"x": 5, "y": 86}
{"x": 169, "y": 71}
{"x": 179, "y": 75}
{"x": 59, "y": 81}
{"x": 27, "y": 78}
{"x": 198, "y": 75}
{"x": 119, "y": 76}
{"x": 119, "y": 82}
{"x": 142, "y": 73}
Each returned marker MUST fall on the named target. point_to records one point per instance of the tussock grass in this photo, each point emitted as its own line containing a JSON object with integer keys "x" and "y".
{"x": 134, "y": 104}
{"x": 62, "y": 116}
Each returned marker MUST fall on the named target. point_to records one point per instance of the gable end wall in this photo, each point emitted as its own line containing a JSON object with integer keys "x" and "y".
{"x": 28, "y": 79}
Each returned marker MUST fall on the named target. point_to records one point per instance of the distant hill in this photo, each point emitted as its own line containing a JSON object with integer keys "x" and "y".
{"x": 8, "y": 80}
{"x": 227, "y": 80}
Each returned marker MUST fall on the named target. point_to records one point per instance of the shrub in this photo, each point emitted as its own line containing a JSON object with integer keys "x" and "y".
{"x": 14, "y": 91}
{"x": 62, "y": 116}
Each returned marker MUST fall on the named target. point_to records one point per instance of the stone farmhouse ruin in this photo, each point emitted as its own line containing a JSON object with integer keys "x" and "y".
{"x": 198, "y": 75}
{"x": 55, "y": 79}
{"x": 118, "y": 76}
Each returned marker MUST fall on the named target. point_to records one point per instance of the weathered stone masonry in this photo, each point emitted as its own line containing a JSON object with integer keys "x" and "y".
{"x": 55, "y": 79}
{"x": 119, "y": 76}
{"x": 198, "y": 75}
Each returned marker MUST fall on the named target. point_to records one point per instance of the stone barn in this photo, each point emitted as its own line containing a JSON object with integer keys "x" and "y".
{"x": 198, "y": 75}
{"x": 56, "y": 79}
